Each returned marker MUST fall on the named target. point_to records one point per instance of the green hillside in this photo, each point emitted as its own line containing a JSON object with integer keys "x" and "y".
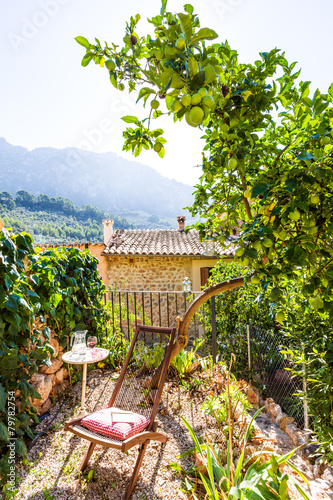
{"x": 55, "y": 220}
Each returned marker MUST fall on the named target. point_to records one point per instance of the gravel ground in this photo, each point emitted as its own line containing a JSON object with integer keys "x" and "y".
{"x": 53, "y": 461}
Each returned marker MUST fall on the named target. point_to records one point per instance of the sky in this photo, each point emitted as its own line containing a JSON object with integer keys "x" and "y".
{"x": 48, "y": 99}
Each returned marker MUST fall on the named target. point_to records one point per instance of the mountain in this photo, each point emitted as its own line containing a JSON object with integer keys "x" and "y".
{"x": 104, "y": 180}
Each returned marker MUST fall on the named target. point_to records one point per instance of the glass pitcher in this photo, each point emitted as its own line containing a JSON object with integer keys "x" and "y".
{"x": 78, "y": 342}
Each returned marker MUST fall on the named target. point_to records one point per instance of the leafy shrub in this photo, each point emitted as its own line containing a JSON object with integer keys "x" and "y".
{"x": 61, "y": 289}
{"x": 184, "y": 362}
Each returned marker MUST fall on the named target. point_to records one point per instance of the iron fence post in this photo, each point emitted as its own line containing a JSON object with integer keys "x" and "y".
{"x": 305, "y": 401}
{"x": 214, "y": 344}
{"x": 248, "y": 346}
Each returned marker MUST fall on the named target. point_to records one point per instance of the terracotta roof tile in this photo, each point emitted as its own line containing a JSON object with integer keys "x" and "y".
{"x": 160, "y": 242}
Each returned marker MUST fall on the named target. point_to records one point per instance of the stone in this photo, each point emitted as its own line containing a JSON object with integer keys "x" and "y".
{"x": 45, "y": 407}
{"x": 328, "y": 476}
{"x": 252, "y": 397}
{"x": 55, "y": 344}
{"x": 308, "y": 451}
{"x": 43, "y": 384}
{"x": 284, "y": 421}
{"x": 272, "y": 408}
{"x": 56, "y": 363}
{"x": 59, "y": 376}
{"x": 291, "y": 431}
{"x": 301, "y": 439}
{"x": 55, "y": 391}
{"x": 318, "y": 468}
{"x": 261, "y": 402}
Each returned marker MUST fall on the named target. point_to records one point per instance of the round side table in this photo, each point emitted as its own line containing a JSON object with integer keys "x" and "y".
{"x": 91, "y": 356}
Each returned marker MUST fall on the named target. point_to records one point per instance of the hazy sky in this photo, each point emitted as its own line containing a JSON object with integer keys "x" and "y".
{"x": 48, "y": 99}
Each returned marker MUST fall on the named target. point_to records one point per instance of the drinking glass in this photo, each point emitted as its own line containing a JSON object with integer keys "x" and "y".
{"x": 92, "y": 341}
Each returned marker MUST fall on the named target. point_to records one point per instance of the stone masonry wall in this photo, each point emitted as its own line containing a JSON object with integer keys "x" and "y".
{"x": 148, "y": 273}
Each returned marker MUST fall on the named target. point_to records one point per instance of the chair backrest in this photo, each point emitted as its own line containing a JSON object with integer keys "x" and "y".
{"x": 134, "y": 388}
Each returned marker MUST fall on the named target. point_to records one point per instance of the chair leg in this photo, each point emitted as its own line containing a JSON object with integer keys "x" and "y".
{"x": 86, "y": 457}
{"x": 136, "y": 471}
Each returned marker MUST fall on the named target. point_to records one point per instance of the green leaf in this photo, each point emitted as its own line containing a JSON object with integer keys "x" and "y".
{"x": 259, "y": 189}
{"x": 164, "y": 4}
{"x": 188, "y": 8}
{"x": 193, "y": 66}
{"x": 20, "y": 448}
{"x": 305, "y": 155}
{"x": 330, "y": 90}
{"x": 186, "y": 26}
{"x": 170, "y": 78}
{"x": 130, "y": 119}
{"x": 83, "y": 41}
{"x": 3, "y": 398}
{"x": 86, "y": 59}
{"x": 4, "y": 434}
{"x": 210, "y": 74}
{"x": 204, "y": 34}
{"x": 145, "y": 91}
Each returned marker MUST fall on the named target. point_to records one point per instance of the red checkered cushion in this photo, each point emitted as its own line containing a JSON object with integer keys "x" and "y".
{"x": 101, "y": 422}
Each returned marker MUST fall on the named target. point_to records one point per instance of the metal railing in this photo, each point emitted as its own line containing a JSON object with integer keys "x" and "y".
{"x": 258, "y": 352}
{"x": 158, "y": 308}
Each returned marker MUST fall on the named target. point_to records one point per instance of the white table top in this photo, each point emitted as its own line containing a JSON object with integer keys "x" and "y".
{"x": 91, "y": 356}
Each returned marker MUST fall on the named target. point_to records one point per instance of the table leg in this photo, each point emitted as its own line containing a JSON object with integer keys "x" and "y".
{"x": 83, "y": 394}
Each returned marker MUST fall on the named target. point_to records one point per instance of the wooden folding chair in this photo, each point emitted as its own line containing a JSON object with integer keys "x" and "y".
{"x": 133, "y": 393}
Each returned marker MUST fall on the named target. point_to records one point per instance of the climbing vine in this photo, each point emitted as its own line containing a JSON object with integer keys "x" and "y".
{"x": 59, "y": 289}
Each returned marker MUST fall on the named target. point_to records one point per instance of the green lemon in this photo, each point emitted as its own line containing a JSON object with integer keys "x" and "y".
{"x": 295, "y": 215}
{"x": 121, "y": 86}
{"x": 247, "y": 193}
{"x": 232, "y": 163}
{"x": 180, "y": 44}
{"x": 280, "y": 317}
{"x": 267, "y": 242}
{"x": 202, "y": 92}
{"x": 257, "y": 245}
{"x": 245, "y": 261}
{"x": 208, "y": 101}
{"x": 196, "y": 99}
{"x": 197, "y": 115}
{"x": 255, "y": 280}
{"x": 325, "y": 140}
{"x": 110, "y": 65}
{"x": 154, "y": 104}
{"x": 157, "y": 147}
{"x": 186, "y": 100}
{"x": 239, "y": 252}
{"x": 189, "y": 121}
{"x": 315, "y": 199}
{"x": 176, "y": 106}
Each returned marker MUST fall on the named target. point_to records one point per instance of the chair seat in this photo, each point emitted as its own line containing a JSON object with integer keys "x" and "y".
{"x": 85, "y": 433}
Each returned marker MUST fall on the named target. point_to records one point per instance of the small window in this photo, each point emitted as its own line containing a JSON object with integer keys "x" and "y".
{"x": 205, "y": 273}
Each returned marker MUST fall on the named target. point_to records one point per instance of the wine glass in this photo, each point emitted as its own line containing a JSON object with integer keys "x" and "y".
{"x": 92, "y": 341}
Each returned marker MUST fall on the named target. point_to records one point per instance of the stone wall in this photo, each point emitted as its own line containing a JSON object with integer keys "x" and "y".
{"x": 148, "y": 272}
{"x": 50, "y": 380}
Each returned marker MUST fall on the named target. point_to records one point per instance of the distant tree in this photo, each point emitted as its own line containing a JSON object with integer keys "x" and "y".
{"x": 24, "y": 199}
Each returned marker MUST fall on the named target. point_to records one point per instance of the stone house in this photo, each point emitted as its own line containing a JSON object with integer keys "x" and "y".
{"x": 157, "y": 259}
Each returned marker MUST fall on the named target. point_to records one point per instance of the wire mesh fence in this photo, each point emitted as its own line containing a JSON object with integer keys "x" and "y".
{"x": 259, "y": 356}
{"x": 271, "y": 371}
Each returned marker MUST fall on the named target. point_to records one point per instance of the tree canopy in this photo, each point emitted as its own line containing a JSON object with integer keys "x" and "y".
{"x": 267, "y": 155}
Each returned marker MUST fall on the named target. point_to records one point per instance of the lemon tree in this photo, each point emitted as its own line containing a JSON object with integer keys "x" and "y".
{"x": 267, "y": 152}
